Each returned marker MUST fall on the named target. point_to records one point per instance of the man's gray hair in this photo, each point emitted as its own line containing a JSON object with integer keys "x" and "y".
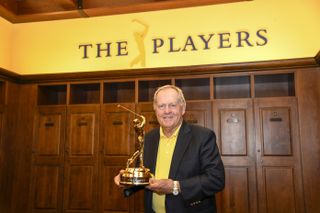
{"x": 182, "y": 100}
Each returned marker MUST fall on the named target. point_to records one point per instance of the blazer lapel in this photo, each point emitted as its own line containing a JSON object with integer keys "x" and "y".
{"x": 182, "y": 144}
{"x": 152, "y": 151}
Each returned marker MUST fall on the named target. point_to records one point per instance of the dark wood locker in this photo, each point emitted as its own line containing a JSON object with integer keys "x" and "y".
{"x": 81, "y": 159}
{"x": 2, "y": 113}
{"x": 234, "y": 127}
{"x": 117, "y": 145}
{"x": 279, "y": 172}
{"x": 48, "y": 159}
{"x": 46, "y": 186}
{"x": 2, "y": 154}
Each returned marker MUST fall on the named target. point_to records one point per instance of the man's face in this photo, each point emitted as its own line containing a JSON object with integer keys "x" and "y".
{"x": 169, "y": 110}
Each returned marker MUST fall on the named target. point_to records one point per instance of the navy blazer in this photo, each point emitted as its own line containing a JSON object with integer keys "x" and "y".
{"x": 196, "y": 164}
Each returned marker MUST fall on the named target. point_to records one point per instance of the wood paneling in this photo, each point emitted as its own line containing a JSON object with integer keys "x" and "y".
{"x": 116, "y": 202}
{"x": 31, "y": 10}
{"x": 237, "y": 179}
{"x": 278, "y": 155}
{"x": 233, "y": 132}
{"x": 17, "y": 132}
{"x": 81, "y": 159}
{"x": 47, "y": 188}
{"x": 267, "y": 144}
{"x": 47, "y": 169}
{"x": 118, "y": 130}
{"x": 276, "y": 131}
{"x": 234, "y": 127}
{"x": 80, "y": 190}
{"x": 308, "y": 89}
{"x": 117, "y": 145}
{"x": 49, "y": 137}
{"x": 283, "y": 200}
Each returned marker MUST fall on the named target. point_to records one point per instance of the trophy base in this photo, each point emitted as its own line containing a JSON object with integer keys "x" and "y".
{"x": 135, "y": 177}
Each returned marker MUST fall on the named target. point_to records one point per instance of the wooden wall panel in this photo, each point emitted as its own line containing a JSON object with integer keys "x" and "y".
{"x": 50, "y": 132}
{"x": 308, "y": 92}
{"x": 276, "y": 131}
{"x": 234, "y": 127}
{"x": 233, "y": 132}
{"x": 285, "y": 133}
{"x": 118, "y": 133}
{"x": 97, "y": 161}
{"x": 237, "y": 183}
{"x": 80, "y": 188}
{"x": 82, "y": 134}
{"x": 117, "y": 145}
{"x": 17, "y": 134}
{"x": 3, "y": 164}
{"x": 280, "y": 189}
{"x": 46, "y": 188}
{"x": 113, "y": 199}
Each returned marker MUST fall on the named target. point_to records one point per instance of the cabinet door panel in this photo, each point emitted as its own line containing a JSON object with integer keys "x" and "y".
{"x": 276, "y": 130}
{"x": 278, "y": 156}
{"x": 112, "y": 197}
{"x": 49, "y": 131}
{"x": 46, "y": 188}
{"x": 233, "y": 125}
{"x": 139, "y": 202}
{"x": 2, "y": 152}
{"x": 80, "y": 188}
{"x": 118, "y": 134}
{"x": 81, "y": 159}
{"x": 83, "y": 131}
{"x": 233, "y": 132}
{"x": 237, "y": 180}
{"x": 199, "y": 113}
{"x": 82, "y": 134}
{"x": 118, "y": 143}
{"x": 279, "y": 178}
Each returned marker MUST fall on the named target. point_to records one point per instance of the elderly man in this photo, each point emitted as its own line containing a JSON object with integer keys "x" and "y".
{"x": 184, "y": 158}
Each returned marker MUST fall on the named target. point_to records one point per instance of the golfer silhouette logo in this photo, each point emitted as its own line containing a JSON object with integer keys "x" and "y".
{"x": 139, "y": 37}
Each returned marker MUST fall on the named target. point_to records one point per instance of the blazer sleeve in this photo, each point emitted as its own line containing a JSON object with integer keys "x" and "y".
{"x": 209, "y": 177}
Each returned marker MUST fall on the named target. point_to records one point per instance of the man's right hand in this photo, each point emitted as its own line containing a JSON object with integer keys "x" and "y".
{"x": 116, "y": 179}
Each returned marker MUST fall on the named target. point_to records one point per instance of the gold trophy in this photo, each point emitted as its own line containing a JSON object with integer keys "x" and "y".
{"x": 135, "y": 172}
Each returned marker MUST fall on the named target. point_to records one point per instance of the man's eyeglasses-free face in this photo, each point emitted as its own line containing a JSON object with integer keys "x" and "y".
{"x": 170, "y": 106}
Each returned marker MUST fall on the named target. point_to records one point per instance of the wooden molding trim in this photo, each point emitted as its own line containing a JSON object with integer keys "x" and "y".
{"x": 8, "y": 75}
{"x": 91, "y": 10}
{"x": 166, "y": 71}
{"x": 317, "y": 58}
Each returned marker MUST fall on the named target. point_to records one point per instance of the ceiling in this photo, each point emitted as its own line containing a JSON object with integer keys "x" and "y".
{"x": 21, "y": 11}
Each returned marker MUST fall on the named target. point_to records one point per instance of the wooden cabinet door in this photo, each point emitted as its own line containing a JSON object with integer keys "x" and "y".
{"x": 199, "y": 113}
{"x": 278, "y": 155}
{"x": 2, "y": 151}
{"x": 117, "y": 145}
{"x": 233, "y": 125}
{"x": 81, "y": 159}
{"x": 49, "y": 136}
{"x": 48, "y": 159}
{"x": 46, "y": 188}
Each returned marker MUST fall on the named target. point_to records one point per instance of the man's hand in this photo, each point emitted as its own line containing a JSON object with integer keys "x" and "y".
{"x": 161, "y": 186}
{"x": 116, "y": 179}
